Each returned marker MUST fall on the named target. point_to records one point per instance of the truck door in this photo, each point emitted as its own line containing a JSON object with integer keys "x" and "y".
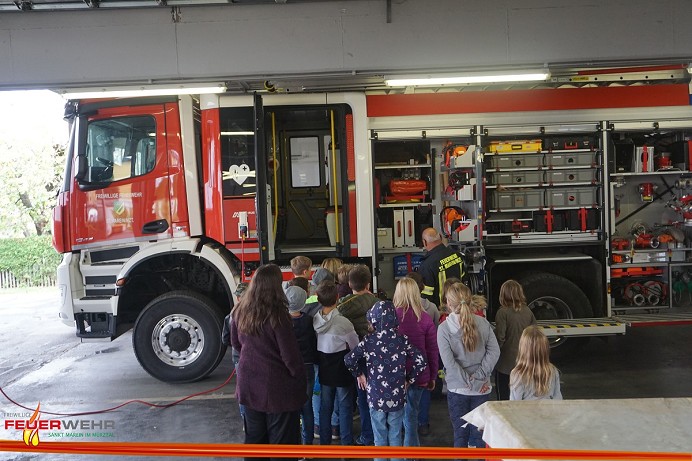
{"x": 121, "y": 182}
{"x": 266, "y": 246}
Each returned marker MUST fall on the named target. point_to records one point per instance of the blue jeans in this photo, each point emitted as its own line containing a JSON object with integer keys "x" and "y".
{"x": 386, "y": 427}
{"x": 307, "y": 417}
{"x": 366, "y": 437}
{"x": 459, "y": 405}
{"x": 316, "y": 401}
{"x": 424, "y": 410}
{"x": 344, "y": 401}
{"x": 413, "y": 396}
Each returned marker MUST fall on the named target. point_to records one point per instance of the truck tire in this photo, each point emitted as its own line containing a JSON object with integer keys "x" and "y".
{"x": 552, "y": 297}
{"x": 177, "y": 337}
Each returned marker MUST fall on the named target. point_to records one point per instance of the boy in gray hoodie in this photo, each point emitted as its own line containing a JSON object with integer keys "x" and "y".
{"x": 335, "y": 338}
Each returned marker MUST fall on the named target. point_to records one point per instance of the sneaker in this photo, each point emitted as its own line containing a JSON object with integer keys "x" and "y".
{"x": 335, "y": 433}
{"x": 316, "y": 432}
{"x": 424, "y": 429}
{"x": 361, "y": 443}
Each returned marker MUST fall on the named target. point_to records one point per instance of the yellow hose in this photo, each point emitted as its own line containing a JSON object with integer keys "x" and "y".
{"x": 336, "y": 196}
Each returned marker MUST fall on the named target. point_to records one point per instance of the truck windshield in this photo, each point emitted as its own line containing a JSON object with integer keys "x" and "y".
{"x": 120, "y": 148}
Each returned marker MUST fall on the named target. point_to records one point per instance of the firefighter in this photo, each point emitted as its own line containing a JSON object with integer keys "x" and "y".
{"x": 439, "y": 264}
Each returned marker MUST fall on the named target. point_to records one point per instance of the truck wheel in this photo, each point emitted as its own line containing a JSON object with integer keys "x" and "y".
{"x": 177, "y": 337}
{"x": 551, "y": 297}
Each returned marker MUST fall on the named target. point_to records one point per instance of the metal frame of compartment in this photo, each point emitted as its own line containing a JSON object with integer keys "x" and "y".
{"x": 544, "y": 187}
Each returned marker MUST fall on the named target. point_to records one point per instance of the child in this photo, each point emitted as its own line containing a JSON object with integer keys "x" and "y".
{"x": 427, "y": 305}
{"x": 510, "y": 321}
{"x": 534, "y": 377}
{"x": 385, "y": 353}
{"x": 342, "y": 280}
{"x": 307, "y": 341}
{"x": 301, "y": 282}
{"x": 479, "y": 304}
{"x": 301, "y": 266}
{"x": 355, "y": 307}
{"x": 420, "y": 331}
{"x": 443, "y": 297}
{"x": 335, "y": 337}
{"x": 469, "y": 352}
{"x": 424, "y": 410}
{"x": 312, "y": 306}
{"x": 332, "y": 265}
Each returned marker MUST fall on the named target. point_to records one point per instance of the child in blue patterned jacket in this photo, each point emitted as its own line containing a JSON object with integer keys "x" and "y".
{"x": 382, "y": 354}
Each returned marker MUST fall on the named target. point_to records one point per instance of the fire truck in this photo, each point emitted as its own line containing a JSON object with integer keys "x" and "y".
{"x": 583, "y": 194}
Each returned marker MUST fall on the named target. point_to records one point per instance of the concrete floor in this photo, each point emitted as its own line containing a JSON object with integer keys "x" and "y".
{"x": 42, "y": 361}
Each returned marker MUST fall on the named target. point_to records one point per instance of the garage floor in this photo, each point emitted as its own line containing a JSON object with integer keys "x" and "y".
{"x": 41, "y": 361}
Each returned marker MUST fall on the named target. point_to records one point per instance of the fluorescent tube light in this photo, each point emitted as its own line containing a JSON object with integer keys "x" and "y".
{"x": 126, "y": 92}
{"x": 466, "y": 79}
{"x": 237, "y": 133}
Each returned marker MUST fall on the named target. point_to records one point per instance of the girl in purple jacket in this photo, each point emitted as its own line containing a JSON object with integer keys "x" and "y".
{"x": 420, "y": 330}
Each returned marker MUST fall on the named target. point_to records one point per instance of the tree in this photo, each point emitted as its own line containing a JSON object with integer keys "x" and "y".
{"x": 31, "y": 175}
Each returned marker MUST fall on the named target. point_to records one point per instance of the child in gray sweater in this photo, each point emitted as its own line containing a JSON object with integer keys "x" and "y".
{"x": 469, "y": 351}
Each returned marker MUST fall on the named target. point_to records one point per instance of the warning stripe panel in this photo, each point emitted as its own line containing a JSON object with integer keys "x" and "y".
{"x": 581, "y": 327}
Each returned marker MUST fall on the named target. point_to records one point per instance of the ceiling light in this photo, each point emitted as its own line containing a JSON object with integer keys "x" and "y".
{"x": 467, "y": 78}
{"x": 125, "y": 92}
{"x": 237, "y": 133}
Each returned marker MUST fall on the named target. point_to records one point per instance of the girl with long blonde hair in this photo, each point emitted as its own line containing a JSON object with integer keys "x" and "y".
{"x": 443, "y": 295}
{"x": 469, "y": 352}
{"x": 534, "y": 377}
{"x": 514, "y": 315}
{"x": 419, "y": 327}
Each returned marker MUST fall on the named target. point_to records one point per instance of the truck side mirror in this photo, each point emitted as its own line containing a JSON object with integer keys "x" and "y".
{"x": 82, "y": 169}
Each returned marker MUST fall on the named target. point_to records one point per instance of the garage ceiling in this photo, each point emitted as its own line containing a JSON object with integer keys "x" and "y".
{"x": 64, "y": 5}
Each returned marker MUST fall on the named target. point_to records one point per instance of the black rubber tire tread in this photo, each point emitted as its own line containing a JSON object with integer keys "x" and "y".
{"x": 538, "y": 284}
{"x": 189, "y": 303}
{"x": 541, "y": 284}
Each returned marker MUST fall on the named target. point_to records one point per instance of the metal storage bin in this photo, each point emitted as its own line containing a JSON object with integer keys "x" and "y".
{"x": 518, "y": 177}
{"x": 516, "y": 161}
{"x": 501, "y": 178}
{"x": 573, "y": 197}
{"x": 571, "y": 159}
{"x": 527, "y": 177}
{"x": 568, "y": 176}
{"x": 502, "y": 200}
{"x": 529, "y": 199}
{"x": 507, "y": 200}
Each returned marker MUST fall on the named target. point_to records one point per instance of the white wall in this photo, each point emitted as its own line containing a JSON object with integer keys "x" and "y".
{"x": 43, "y": 49}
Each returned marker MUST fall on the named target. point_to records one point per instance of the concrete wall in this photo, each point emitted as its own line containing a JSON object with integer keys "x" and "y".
{"x": 49, "y": 49}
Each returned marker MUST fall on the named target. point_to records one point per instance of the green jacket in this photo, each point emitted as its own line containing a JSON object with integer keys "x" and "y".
{"x": 354, "y": 308}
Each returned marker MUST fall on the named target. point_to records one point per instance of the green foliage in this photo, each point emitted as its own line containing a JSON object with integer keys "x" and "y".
{"x": 31, "y": 175}
{"x": 30, "y": 260}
